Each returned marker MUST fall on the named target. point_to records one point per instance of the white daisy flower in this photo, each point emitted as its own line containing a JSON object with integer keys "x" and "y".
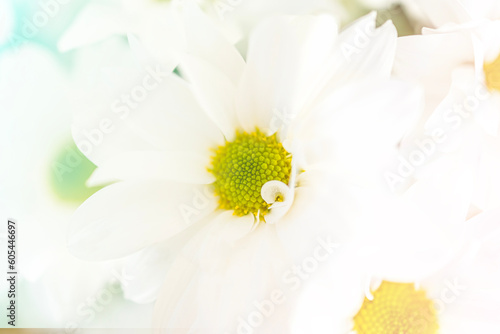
{"x": 461, "y": 297}
{"x": 225, "y": 172}
{"x": 31, "y": 152}
{"x": 457, "y": 66}
{"x": 43, "y": 182}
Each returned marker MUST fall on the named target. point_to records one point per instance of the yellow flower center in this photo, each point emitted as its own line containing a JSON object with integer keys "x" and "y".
{"x": 397, "y": 308}
{"x": 243, "y": 166}
{"x": 492, "y": 74}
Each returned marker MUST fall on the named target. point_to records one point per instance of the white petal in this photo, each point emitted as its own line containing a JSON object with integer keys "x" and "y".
{"x": 222, "y": 233}
{"x": 140, "y": 53}
{"x": 467, "y": 289}
{"x": 445, "y": 11}
{"x": 177, "y": 166}
{"x": 216, "y": 299}
{"x": 106, "y": 21}
{"x": 285, "y": 56}
{"x": 127, "y": 216}
{"x": 204, "y": 41}
{"x": 99, "y": 21}
{"x": 168, "y": 118}
{"x": 228, "y": 228}
{"x": 461, "y": 324}
{"x": 214, "y": 91}
{"x": 145, "y": 272}
{"x": 417, "y": 235}
{"x": 330, "y": 298}
{"x": 482, "y": 9}
{"x": 179, "y": 284}
{"x": 321, "y": 209}
{"x": 362, "y": 51}
{"x": 464, "y": 99}
{"x": 357, "y": 129}
{"x": 154, "y": 24}
{"x": 484, "y": 225}
{"x": 272, "y": 189}
{"x": 430, "y": 60}
{"x": 31, "y": 70}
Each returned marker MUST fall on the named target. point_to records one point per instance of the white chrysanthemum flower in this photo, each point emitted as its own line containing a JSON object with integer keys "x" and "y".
{"x": 154, "y": 21}
{"x": 458, "y": 67}
{"x": 461, "y": 297}
{"x": 31, "y": 151}
{"x": 411, "y": 237}
{"x": 227, "y": 172}
{"x": 41, "y": 189}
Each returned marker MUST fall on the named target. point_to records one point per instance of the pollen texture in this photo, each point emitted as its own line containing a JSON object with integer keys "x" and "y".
{"x": 397, "y": 308}
{"x": 241, "y": 167}
{"x": 492, "y": 74}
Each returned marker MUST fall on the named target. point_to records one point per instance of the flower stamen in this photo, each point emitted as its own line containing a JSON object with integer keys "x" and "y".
{"x": 397, "y": 308}
{"x": 243, "y": 166}
{"x": 492, "y": 74}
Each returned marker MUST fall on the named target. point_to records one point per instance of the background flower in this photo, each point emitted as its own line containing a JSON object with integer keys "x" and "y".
{"x": 456, "y": 298}
{"x": 43, "y": 181}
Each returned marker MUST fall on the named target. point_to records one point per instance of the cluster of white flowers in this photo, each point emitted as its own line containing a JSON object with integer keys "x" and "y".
{"x": 279, "y": 167}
